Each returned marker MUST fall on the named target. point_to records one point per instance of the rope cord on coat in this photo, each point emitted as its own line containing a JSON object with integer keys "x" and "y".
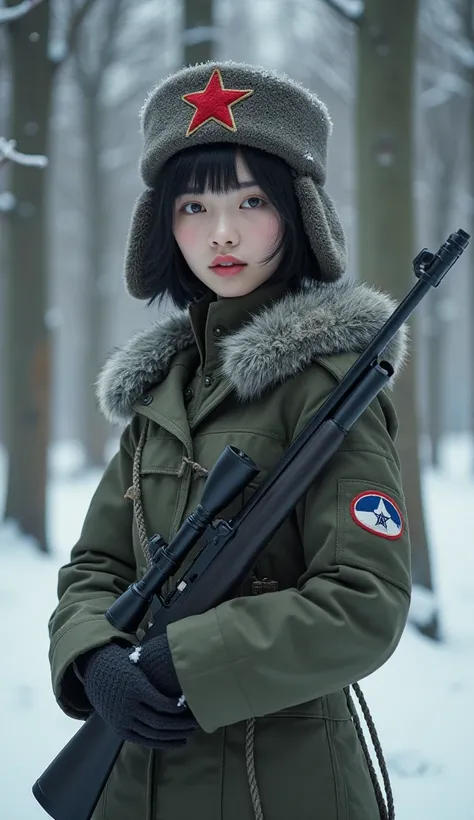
{"x": 198, "y": 469}
{"x": 137, "y": 494}
{"x": 134, "y": 493}
{"x": 387, "y": 811}
{"x": 250, "y": 762}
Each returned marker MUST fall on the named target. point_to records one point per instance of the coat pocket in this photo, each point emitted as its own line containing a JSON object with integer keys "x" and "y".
{"x": 307, "y": 763}
{"x": 300, "y": 774}
{"x": 356, "y": 790}
{"x": 294, "y": 770}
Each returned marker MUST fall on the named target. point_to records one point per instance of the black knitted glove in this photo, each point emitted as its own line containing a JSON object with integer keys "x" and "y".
{"x": 126, "y": 700}
{"x": 154, "y": 657}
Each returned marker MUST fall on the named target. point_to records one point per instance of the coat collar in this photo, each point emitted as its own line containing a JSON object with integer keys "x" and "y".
{"x": 229, "y": 314}
{"x": 271, "y": 342}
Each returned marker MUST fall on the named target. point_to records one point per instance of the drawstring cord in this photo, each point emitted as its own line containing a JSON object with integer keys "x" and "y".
{"x": 386, "y": 810}
{"x": 250, "y": 764}
{"x": 198, "y": 469}
{"x": 134, "y": 493}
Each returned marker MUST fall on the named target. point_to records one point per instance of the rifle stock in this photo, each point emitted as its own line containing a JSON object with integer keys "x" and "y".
{"x": 70, "y": 787}
{"x": 78, "y": 762}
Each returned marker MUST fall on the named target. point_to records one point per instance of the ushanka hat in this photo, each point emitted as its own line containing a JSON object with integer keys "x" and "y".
{"x": 240, "y": 104}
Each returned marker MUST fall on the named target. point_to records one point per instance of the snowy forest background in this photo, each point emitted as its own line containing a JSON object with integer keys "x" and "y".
{"x": 398, "y": 79}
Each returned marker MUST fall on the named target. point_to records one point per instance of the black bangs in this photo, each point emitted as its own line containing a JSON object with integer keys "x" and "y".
{"x": 210, "y": 168}
{"x": 166, "y": 273}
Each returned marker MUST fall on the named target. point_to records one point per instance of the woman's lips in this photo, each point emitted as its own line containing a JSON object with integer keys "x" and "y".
{"x": 228, "y": 270}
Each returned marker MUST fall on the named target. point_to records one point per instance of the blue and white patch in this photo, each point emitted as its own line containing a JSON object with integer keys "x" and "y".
{"x": 378, "y": 513}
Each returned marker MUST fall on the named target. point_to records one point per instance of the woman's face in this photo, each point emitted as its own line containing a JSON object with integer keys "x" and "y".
{"x": 238, "y": 227}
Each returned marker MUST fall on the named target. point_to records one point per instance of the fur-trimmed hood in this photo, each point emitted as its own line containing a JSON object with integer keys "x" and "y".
{"x": 280, "y": 339}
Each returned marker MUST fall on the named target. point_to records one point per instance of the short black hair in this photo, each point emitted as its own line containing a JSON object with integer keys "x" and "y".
{"x": 166, "y": 272}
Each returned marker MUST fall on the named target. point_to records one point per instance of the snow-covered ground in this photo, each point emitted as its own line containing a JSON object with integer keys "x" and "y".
{"x": 421, "y": 699}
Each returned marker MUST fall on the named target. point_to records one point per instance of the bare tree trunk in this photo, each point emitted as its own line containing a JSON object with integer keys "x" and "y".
{"x": 469, "y": 29}
{"x": 438, "y": 300}
{"x": 93, "y": 53}
{"x": 198, "y": 36}
{"x": 471, "y": 191}
{"x": 436, "y": 339}
{"x": 245, "y": 35}
{"x": 27, "y": 382}
{"x": 94, "y": 427}
{"x": 446, "y": 139}
{"x": 384, "y": 124}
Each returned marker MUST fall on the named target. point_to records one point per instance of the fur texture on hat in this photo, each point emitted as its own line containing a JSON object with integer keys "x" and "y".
{"x": 268, "y": 111}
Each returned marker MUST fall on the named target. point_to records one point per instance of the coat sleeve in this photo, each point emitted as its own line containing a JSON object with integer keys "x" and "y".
{"x": 252, "y": 656}
{"x": 102, "y": 566}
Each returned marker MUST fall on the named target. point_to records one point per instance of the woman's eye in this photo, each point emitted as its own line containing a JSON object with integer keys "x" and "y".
{"x": 253, "y": 202}
{"x": 191, "y": 208}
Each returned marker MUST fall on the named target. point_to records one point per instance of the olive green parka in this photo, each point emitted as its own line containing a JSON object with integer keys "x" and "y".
{"x": 265, "y": 675}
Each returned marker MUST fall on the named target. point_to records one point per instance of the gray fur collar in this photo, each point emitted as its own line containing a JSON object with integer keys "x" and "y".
{"x": 281, "y": 339}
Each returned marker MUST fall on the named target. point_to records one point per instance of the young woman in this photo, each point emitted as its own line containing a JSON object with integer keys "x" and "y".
{"x": 235, "y": 228}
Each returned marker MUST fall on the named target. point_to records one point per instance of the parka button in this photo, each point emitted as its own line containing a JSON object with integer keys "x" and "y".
{"x": 219, "y": 331}
{"x": 188, "y": 394}
{"x": 146, "y": 399}
{"x": 208, "y": 381}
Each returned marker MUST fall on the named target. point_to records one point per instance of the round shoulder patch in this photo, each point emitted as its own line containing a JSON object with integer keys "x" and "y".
{"x": 378, "y": 513}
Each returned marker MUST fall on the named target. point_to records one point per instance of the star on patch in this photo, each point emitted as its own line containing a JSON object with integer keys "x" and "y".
{"x": 214, "y": 103}
{"x": 374, "y": 504}
{"x": 381, "y": 519}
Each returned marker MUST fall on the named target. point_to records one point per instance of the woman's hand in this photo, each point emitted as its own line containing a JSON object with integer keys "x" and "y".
{"x": 127, "y": 700}
{"x": 154, "y": 658}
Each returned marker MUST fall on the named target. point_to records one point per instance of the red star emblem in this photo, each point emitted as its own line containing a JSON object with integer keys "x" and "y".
{"x": 214, "y": 103}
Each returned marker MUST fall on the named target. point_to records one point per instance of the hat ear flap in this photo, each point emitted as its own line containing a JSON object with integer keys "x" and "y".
{"x": 143, "y": 219}
{"x": 322, "y": 227}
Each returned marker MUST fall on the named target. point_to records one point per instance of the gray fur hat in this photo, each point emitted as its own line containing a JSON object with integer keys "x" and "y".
{"x": 241, "y": 104}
